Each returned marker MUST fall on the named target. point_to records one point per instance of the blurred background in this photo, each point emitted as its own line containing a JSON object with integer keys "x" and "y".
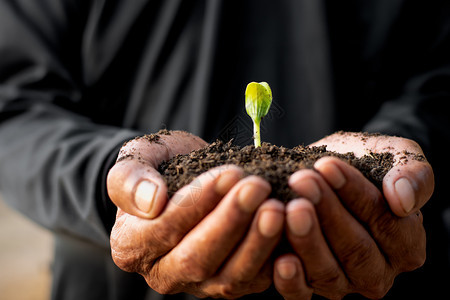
{"x": 26, "y": 252}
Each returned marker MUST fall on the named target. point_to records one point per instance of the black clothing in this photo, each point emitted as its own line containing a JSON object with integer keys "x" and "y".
{"x": 78, "y": 78}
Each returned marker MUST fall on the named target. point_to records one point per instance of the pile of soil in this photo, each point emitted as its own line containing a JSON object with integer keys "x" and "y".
{"x": 273, "y": 163}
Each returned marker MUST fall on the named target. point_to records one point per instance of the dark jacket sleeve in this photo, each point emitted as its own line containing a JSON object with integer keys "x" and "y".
{"x": 421, "y": 113}
{"x": 415, "y": 64}
{"x": 53, "y": 156}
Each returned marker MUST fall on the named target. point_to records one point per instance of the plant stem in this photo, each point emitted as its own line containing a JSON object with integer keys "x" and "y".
{"x": 256, "y": 134}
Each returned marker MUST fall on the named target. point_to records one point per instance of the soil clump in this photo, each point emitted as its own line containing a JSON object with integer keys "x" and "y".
{"x": 273, "y": 163}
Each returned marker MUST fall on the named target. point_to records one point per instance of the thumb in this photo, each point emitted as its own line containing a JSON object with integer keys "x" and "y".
{"x": 134, "y": 184}
{"x": 408, "y": 187}
{"x": 137, "y": 188}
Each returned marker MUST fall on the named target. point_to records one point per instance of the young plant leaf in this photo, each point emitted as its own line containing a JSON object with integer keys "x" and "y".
{"x": 258, "y": 98}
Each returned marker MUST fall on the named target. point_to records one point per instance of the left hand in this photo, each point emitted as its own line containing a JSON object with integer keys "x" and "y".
{"x": 213, "y": 238}
{"x": 348, "y": 237}
{"x": 215, "y": 242}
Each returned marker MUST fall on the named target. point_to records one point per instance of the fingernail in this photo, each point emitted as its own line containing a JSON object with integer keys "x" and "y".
{"x": 299, "y": 220}
{"x": 307, "y": 187}
{"x": 145, "y": 195}
{"x": 286, "y": 270}
{"x": 251, "y": 196}
{"x": 225, "y": 182}
{"x": 270, "y": 223}
{"x": 405, "y": 194}
{"x": 333, "y": 174}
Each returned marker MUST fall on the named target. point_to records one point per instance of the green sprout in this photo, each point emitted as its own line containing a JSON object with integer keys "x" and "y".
{"x": 258, "y": 98}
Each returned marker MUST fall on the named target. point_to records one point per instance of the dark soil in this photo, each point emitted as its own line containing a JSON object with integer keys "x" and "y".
{"x": 271, "y": 162}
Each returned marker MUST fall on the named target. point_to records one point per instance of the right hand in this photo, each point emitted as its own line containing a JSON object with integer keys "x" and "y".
{"x": 213, "y": 241}
{"x": 349, "y": 236}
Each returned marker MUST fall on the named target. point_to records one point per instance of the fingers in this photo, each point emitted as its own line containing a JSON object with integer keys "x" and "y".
{"x": 263, "y": 236}
{"x": 401, "y": 239}
{"x": 228, "y": 252}
{"x": 192, "y": 203}
{"x": 161, "y": 234}
{"x": 203, "y": 250}
{"x": 357, "y": 253}
{"x": 305, "y": 235}
{"x": 409, "y": 184}
{"x": 133, "y": 183}
{"x": 243, "y": 272}
{"x": 289, "y": 278}
{"x": 357, "y": 192}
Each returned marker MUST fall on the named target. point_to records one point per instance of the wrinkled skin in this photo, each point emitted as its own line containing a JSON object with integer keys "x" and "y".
{"x": 216, "y": 236}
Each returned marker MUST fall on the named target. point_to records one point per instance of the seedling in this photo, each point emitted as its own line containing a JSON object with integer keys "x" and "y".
{"x": 258, "y": 98}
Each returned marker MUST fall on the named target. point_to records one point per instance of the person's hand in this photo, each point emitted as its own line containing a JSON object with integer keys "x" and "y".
{"x": 213, "y": 238}
{"x": 134, "y": 183}
{"x": 347, "y": 236}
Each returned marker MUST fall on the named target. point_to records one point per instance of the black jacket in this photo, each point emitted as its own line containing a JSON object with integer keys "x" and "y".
{"x": 78, "y": 78}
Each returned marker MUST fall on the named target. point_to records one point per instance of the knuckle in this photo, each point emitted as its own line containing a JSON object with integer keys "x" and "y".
{"x": 240, "y": 277}
{"x": 331, "y": 283}
{"x": 329, "y": 277}
{"x": 165, "y": 235}
{"x": 123, "y": 254}
{"x": 128, "y": 262}
{"x": 377, "y": 289}
{"x": 229, "y": 290}
{"x": 413, "y": 259}
{"x": 372, "y": 280}
{"x": 413, "y": 255}
{"x": 161, "y": 287}
{"x": 386, "y": 225}
{"x": 408, "y": 251}
{"x": 420, "y": 260}
{"x": 366, "y": 273}
{"x": 193, "y": 269}
{"x": 232, "y": 288}
{"x": 156, "y": 279}
{"x": 357, "y": 255}
{"x": 130, "y": 249}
